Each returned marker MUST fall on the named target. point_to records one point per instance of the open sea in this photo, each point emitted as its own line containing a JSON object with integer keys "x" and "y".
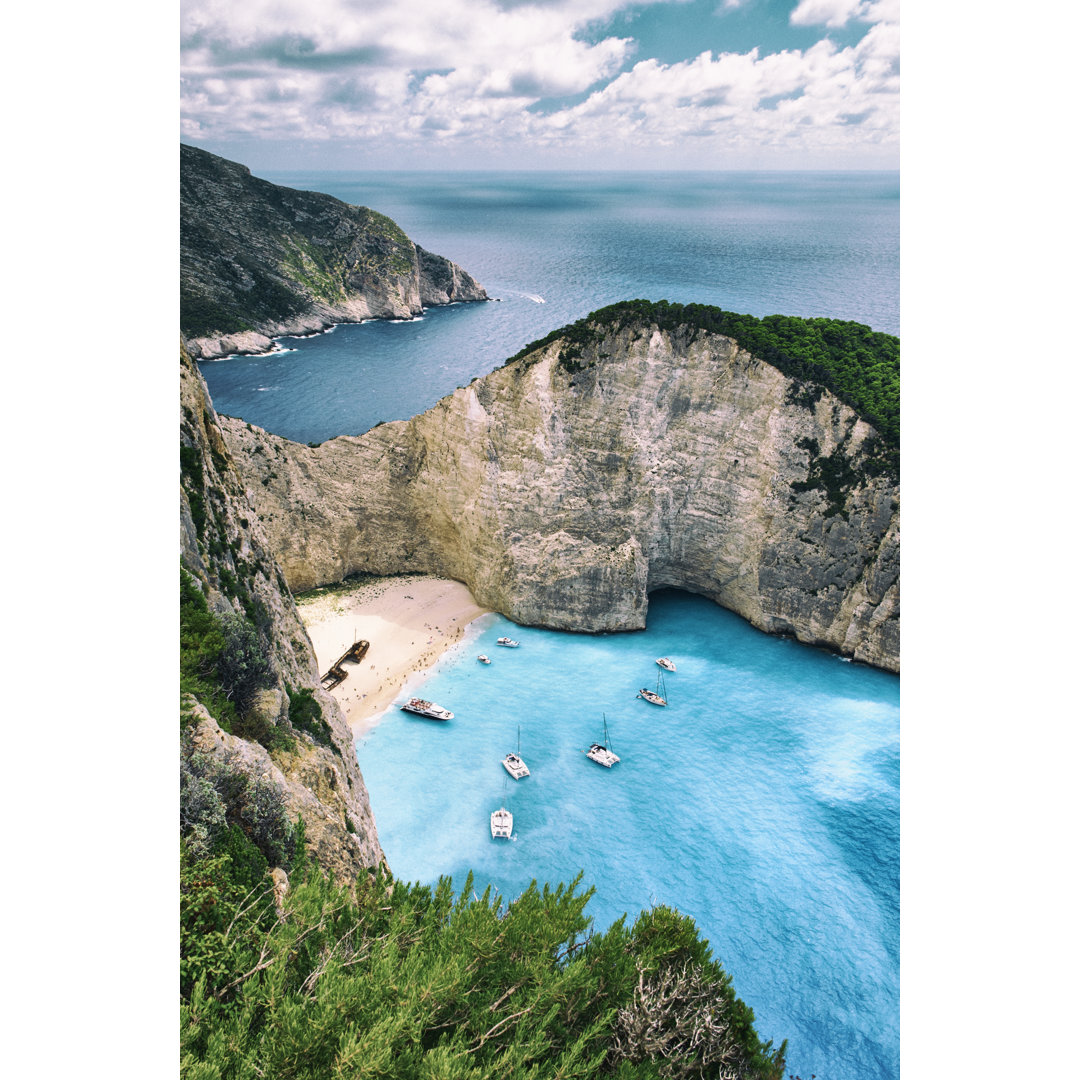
{"x": 555, "y": 246}
{"x": 764, "y": 800}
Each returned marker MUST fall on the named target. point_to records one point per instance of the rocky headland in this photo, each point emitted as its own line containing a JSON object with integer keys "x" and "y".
{"x": 258, "y": 260}
{"x": 619, "y": 456}
{"x": 311, "y": 774}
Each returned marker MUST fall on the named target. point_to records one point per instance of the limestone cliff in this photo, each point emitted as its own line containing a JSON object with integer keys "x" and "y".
{"x": 258, "y": 260}
{"x": 224, "y": 548}
{"x": 566, "y": 486}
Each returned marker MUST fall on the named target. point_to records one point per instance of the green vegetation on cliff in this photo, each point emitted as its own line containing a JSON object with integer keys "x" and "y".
{"x": 395, "y": 980}
{"x": 223, "y": 664}
{"x": 859, "y": 365}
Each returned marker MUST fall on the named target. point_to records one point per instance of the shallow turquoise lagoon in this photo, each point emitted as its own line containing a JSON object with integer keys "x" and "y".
{"x": 763, "y": 801}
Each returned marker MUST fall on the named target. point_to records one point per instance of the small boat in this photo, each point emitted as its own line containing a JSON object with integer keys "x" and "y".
{"x": 510, "y": 643}
{"x": 656, "y": 697}
{"x": 483, "y": 659}
{"x": 502, "y": 821}
{"x": 502, "y": 824}
{"x": 513, "y": 763}
{"x": 600, "y": 753}
{"x": 427, "y": 708}
{"x": 666, "y": 664}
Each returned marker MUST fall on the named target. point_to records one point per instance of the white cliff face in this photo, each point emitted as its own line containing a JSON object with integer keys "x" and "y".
{"x": 564, "y": 492}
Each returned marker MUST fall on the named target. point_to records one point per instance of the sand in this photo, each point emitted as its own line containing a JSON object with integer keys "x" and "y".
{"x": 409, "y": 621}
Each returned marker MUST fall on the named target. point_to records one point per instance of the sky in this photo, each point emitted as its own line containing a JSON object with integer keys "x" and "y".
{"x": 526, "y": 84}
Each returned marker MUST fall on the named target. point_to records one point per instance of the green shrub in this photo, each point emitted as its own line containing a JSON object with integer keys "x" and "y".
{"x": 242, "y": 665}
{"x": 305, "y": 714}
{"x": 411, "y": 981}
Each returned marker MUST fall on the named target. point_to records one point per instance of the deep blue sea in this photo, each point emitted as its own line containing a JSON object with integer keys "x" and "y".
{"x": 764, "y": 800}
{"x": 555, "y": 246}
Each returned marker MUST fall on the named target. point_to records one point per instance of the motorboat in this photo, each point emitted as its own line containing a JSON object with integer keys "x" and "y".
{"x": 601, "y": 753}
{"x": 427, "y": 708}
{"x": 510, "y": 643}
{"x": 513, "y": 764}
{"x": 502, "y": 824}
{"x": 666, "y": 664}
{"x": 483, "y": 659}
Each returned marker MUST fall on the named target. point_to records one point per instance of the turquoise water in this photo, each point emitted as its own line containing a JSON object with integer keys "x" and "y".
{"x": 763, "y": 801}
{"x": 555, "y": 246}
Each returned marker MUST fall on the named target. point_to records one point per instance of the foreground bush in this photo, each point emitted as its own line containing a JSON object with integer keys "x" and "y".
{"x": 407, "y": 981}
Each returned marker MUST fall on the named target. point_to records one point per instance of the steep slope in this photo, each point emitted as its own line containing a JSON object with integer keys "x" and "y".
{"x": 307, "y": 768}
{"x": 258, "y": 260}
{"x": 610, "y": 461}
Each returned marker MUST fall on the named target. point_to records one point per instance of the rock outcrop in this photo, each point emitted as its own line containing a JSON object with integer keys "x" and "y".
{"x": 224, "y": 548}
{"x": 259, "y": 260}
{"x": 564, "y": 487}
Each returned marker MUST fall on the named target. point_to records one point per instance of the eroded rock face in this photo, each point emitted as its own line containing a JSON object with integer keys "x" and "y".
{"x": 563, "y": 492}
{"x": 258, "y": 260}
{"x": 223, "y": 546}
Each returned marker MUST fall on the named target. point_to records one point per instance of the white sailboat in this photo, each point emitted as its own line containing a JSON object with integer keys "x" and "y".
{"x": 502, "y": 824}
{"x": 513, "y": 763}
{"x": 502, "y": 821}
{"x": 600, "y": 752}
{"x": 656, "y": 697}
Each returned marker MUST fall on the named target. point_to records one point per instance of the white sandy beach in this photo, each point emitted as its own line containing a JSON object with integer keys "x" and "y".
{"x": 409, "y": 621}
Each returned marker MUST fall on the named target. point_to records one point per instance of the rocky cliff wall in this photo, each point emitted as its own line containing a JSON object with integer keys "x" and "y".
{"x": 258, "y": 260}
{"x": 563, "y": 491}
{"x": 223, "y": 546}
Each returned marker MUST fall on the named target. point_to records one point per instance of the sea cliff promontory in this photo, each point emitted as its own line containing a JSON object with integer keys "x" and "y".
{"x": 642, "y": 448}
{"x": 263, "y": 744}
{"x": 258, "y": 260}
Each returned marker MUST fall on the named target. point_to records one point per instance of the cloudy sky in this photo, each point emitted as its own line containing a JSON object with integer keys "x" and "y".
{"x": 676, "y": 84}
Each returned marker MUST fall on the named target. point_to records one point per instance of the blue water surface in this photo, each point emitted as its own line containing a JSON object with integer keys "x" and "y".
{"x": 555, "y": 246}
{"x": 763, "y": 801}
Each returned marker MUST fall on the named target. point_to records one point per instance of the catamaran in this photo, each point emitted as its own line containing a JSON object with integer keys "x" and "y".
{"x": 502, "y": 821}
{"x": 600, "y": 753}
{"x": 502, "y": 824}
{"x": 427, "y": 708}
{"x": 513, "y": 763}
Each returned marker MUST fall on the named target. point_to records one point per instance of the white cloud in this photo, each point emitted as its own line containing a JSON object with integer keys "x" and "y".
{"x": 468, "y": 75}
{"x": 438, "y": 57}
{"x": 838, "y": 13}
{"x": 825, "y": 99}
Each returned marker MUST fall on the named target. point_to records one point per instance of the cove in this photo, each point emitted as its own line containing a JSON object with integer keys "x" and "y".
{"x": 763, "y": 801}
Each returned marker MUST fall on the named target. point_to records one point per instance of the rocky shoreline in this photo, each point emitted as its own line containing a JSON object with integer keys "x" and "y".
{"x": 260, "y": 261}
